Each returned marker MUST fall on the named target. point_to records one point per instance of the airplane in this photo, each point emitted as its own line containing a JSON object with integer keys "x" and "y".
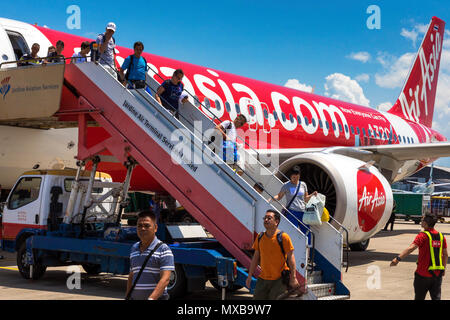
{"x": 427, "y": 187}
{"x": 398, "y": 142}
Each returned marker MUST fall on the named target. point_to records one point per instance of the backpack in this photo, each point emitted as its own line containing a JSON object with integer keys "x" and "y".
{"x": 285, "y": 274}
{"x": 279, "y": 239}
{"x": 95, "y": 54}
{"x": 127, "y": 74}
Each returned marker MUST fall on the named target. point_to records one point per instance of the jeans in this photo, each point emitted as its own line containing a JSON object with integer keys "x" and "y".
{"x": 295, "y": 217}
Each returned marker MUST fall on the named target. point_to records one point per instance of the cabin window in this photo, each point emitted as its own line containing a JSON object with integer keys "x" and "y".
{"x": 252, "y": 111}
{"x": 358, "y": 131}
{"x": 313, "y": 121}
{"x": 196, "y": 101}
{"x": 364, "y": 132}
{"x": 227, "y": 106}
{"x": 275, "y": 115}
{"x": 18, "y": 43}
{"x": 346, "y": 128}
{"x": 291, "y": 117}
{"x": 340, "y": 127}
{"x": 299, "y": 120}
{"x": 320, "y": 124}
{"x": 327, "y": 125}
{"x": 25, "y": 192}
{"x": 352, "y": 129}
{"x": 218, "y": 105}
{"x": 334, "y": 126}
{"x": 266, "y": 113}
{"x": 283, "y": 116}
{"x": 306, "y": 121}
{"x": 408, "y": 140}
{"x": 207, "y": 103}
{"x": 238, "y": 109}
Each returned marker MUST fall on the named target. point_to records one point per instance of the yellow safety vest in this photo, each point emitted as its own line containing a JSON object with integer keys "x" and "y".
{"x": 435, "y": 250}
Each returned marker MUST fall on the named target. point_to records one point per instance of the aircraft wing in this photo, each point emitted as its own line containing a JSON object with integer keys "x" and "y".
{"x": 399, "y": 152}
{"x": 388, "y": 158}
{"x": 441, "y": 184}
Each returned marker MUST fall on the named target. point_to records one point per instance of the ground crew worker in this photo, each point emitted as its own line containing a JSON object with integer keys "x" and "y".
{"x": 432, "y": 260}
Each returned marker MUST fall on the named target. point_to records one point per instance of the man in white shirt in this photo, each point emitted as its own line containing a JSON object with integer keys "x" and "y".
{"x": 229, "y": 135}
{"x": 106, "y": 46}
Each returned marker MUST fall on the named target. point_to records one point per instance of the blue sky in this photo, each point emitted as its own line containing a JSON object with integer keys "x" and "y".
{"x": 311, "y": 43}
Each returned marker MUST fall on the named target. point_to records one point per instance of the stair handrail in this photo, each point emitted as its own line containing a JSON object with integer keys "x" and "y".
{"x": 204, "y": 144}
{"x": 347, "y": 249}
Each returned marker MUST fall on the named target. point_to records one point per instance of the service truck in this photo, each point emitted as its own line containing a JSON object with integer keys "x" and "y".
{"x": 73, "y": 217}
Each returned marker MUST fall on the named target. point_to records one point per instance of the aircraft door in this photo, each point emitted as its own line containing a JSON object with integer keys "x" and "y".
{"x": 266, "y": 115}
{"x": 6, "y": 49}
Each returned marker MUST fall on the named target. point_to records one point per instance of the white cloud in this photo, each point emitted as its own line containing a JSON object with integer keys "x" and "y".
{"x": 295, "y": 84}
{"x": 384, "y": 106}
{"x": 362, "y": 56}
{"x": 362, "y": 77}
{"x": 341, "y": 87}
{"x": 418, "y": 29}
{"x": 412, "y": 35}
{"x": 395, "y": 72}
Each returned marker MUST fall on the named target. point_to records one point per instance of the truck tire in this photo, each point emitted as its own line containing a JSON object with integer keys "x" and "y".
{"x": 178, "y": 284}
{"x": 92, "y": 269}
{"x": 24, "y": 269}
{"x": 360, "y": 246}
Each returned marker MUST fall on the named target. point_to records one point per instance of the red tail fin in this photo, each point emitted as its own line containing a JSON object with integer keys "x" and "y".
{"x": 416, "y": 101}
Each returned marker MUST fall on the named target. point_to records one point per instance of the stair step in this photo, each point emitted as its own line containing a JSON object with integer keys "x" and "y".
{"x": 337, "y": 297}
{"x": 322, "y": 289}
{"x": 315, "y": 277}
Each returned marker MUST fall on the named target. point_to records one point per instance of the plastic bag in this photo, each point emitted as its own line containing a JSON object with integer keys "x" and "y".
{"x": 312, "y": 216}
{"x": 314, "y": 210}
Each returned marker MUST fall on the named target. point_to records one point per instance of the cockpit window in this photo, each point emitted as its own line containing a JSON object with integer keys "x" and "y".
{"x": 18, "y": 43}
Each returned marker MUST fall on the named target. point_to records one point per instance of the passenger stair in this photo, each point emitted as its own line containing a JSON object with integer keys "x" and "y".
{"x": 178, "y": 156}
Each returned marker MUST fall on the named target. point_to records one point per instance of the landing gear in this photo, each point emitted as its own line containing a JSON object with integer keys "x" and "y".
{"x": 360, "y": 246}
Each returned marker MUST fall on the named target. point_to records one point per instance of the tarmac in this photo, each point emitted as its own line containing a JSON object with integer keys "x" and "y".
{"x": 369, "y": 275}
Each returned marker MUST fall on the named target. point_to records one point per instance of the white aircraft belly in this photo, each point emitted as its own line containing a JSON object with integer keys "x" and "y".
{"x": 21, "y": 149}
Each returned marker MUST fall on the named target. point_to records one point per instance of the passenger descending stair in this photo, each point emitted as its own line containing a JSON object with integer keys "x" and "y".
{"x": 218, "y": 198}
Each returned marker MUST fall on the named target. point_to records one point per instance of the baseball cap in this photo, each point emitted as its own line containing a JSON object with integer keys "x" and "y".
{"x": 111, "y": 26}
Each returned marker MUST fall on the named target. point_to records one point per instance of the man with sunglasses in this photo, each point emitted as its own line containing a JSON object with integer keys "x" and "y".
{"x": 152, "y": 284}
{"x": 272, "y": 260}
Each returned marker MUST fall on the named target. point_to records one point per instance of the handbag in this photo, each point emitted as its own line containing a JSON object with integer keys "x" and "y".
{"x": 128, "y": 297}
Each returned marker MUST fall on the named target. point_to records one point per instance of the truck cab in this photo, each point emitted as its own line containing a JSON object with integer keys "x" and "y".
{"x": 38, "y": 200}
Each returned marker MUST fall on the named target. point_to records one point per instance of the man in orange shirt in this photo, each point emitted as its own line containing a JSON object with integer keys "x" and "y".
{"x": 273, "y": 261}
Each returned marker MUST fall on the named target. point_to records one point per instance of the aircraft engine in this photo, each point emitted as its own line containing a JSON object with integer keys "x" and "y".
{"x": 357, "y": 195}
